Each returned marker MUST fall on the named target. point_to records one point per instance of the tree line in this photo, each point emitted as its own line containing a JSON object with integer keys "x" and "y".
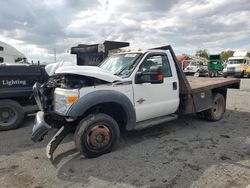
{"x": 224, "y": 54}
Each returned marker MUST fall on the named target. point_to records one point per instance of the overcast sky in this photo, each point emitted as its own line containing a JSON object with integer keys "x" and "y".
{"x": 36, "y": 27}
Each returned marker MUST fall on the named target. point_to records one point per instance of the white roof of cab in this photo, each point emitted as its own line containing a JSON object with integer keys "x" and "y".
{"x": 139, "y": 51}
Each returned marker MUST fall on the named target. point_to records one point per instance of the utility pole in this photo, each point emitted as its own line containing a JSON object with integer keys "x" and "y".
{"x": 55, "y": 54}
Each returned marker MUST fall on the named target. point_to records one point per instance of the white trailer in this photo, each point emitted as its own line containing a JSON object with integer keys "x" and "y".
{"x": 9, "y": 54}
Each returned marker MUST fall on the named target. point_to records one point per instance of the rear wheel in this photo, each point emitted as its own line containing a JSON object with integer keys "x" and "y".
{"x": 218, "y": 108}
{"x": 96, "y": 135}
{"x": 11, "y": 114}
{"x": 216, "y": 74}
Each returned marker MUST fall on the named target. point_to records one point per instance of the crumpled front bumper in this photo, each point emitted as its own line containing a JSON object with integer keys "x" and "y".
{"x": 40, "y": 128}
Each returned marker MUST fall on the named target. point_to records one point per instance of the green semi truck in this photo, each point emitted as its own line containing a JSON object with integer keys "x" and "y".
{"x": 215, "y": 66}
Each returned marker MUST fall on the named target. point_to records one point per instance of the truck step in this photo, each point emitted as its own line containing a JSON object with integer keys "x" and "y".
{"x": 155, "y": 121}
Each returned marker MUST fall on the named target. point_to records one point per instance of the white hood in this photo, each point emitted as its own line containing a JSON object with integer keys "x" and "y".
{"x": 233, "y": 65}
{"x": 91, "y": 71}
{"x": 51, "y": 68}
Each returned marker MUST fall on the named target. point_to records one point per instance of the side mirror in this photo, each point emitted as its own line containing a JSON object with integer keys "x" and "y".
{"x": 153, "y": 76}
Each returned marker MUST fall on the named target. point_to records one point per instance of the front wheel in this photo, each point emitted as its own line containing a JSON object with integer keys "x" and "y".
{"x": 97, "y": 134}
{"x": 11, "y": 114}
{"x": 242, "y": 74}
{"x": 218, "y": 108}
{"x": 210, "y": 73}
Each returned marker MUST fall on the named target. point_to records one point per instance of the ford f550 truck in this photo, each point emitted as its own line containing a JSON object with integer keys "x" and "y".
{"x": 130, "y": 90}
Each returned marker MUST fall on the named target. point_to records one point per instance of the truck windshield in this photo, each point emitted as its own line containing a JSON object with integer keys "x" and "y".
{"x": 121, "y": 65}
{"x": 236, "y": 61}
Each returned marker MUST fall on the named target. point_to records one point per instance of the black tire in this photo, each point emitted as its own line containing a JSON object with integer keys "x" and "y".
{"x": 216, "y": 74}
{"x": 94, "y": 127}
{"x": 248, "y": 75}
{"x": 218, "y": 108}
{"x": 200, "y": 115}
{"x": 241, "y": 75}
{"x": 11, "y": 114}
{"x": 210, "y": 74}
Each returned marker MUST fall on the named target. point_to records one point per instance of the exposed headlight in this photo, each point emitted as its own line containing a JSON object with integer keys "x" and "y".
{"x": 64, "y": 98}
{"x": 62, "y": 109}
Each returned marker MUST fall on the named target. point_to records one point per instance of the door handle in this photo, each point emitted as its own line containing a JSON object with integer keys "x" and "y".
{"x": 174, "y": 85}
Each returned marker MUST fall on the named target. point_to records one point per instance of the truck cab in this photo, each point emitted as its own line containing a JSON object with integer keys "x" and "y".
{"x": 215, "y": 66}
{"x": 128, "y": 90}
{"x": 237, "y": 65}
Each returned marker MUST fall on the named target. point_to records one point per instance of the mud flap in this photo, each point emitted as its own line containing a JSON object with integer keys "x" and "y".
{"x": 56, "y": 140}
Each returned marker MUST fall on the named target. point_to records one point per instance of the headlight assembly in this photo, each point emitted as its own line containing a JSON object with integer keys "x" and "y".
{"x": 64, "y": 98}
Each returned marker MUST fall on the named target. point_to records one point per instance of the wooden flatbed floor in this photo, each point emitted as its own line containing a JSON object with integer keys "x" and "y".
{"x": 198, "y": 84}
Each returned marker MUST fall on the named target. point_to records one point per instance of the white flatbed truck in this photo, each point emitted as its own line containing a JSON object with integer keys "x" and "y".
{"x": 129, "y": 90}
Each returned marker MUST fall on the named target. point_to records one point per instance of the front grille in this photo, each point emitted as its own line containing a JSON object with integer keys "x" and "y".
{"x": 231, "y": 69}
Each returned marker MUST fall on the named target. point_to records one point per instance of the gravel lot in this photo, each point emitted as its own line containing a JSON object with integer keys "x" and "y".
{"x": 187, "y": 152}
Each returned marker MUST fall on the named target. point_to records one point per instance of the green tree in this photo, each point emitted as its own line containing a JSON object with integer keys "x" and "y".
{"x": 202, "y": 53}
{"x": 226, "y": 54}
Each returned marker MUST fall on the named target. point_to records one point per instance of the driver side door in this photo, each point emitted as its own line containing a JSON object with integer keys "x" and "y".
{"x": 156, "y": 99}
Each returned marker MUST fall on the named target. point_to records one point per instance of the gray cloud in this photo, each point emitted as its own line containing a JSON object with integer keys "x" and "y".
{"x": 188, "y": 25}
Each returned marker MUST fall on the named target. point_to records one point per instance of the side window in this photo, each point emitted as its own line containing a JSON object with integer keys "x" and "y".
{"x": 1, "y": 48}
{"x": 166, "y": 67}
{"x": 1, "y": 60}
{"x": 155, "y": 60}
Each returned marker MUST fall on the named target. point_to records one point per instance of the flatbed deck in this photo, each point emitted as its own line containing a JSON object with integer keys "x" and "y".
{"x": 198, "y": 84}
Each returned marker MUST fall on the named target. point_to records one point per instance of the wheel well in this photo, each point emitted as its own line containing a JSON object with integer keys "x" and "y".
{"x": 222, "y": 91}
{"x": 112, "y": 109}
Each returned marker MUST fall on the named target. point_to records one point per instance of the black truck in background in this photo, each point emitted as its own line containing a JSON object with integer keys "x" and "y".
{"x": 17, "y": 80}
{"x": 16, "y": 100}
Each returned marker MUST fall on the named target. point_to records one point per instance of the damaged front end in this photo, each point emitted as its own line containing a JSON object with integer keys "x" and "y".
{"x": 54, "y": 98}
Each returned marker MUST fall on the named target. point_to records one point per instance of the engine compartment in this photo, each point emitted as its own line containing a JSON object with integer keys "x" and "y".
{"x": 72, "y": 81}
{"x": 64, "y": 81}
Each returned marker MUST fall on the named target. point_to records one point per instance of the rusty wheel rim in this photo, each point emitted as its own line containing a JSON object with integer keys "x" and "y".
{"x": 99, "y": 137}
